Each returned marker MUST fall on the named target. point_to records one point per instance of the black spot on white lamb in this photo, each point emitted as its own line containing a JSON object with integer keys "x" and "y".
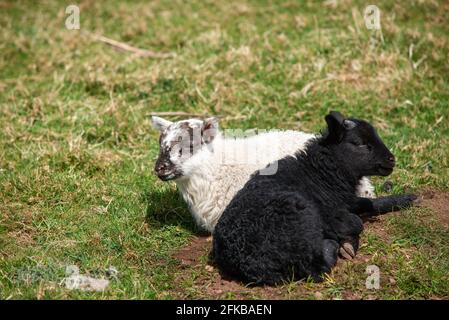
{"x": 290, "y": 225}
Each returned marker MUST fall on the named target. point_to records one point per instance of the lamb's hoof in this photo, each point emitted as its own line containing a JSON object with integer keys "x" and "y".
{"x": 410, "y": 200}
{"x": 417, "y": 201}
{"x": 347, "y": 251}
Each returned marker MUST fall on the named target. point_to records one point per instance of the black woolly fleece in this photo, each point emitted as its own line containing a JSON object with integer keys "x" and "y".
{"x": 288, "y": 225}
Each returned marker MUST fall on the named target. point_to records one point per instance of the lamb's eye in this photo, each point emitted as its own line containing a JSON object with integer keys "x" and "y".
{"x": 360, "y": 144}
{"x": 366, "y": 146}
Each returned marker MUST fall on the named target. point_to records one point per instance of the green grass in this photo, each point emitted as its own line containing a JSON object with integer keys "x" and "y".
{"x": 77, "y": 148}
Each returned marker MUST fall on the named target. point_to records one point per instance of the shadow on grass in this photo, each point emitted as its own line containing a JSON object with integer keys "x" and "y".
{"x": 165, "y": 207}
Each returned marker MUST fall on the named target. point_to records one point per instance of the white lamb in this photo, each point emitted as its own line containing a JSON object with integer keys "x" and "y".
{"x": 209, "y": 167}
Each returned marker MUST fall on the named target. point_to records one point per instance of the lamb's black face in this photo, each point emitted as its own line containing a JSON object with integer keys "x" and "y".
{"x": 366, "y": 150}
{"x": 358, "y": 145}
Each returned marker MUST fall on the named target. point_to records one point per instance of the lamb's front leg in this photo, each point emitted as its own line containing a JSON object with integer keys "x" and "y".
{"x": 346, "y": 228}
{"x": 373, "y": 207}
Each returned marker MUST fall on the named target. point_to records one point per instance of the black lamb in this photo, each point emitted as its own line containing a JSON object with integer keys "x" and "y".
{"x": 291, "y": 225}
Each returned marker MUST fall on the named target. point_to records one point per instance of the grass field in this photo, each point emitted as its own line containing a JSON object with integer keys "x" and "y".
{"x": 77, "y": 149}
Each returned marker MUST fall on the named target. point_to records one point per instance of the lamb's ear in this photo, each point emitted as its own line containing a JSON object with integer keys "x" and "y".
{"x": 209, "y": 129}
{"x": 349, "y": 124}
{"x": 335, "y": 127}
{"x": 159, "y": 123}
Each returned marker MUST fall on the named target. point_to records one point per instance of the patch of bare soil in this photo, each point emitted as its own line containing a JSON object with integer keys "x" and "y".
{"x": 209, "y": 282}
{"x": 200, "y": 280}
{"x": 197, "y": 279}
{"x": 190, "y": 255}
{"x": 435, "y": 200}
{"x": 377, "y": 226}
{"x": 438, "y": 202}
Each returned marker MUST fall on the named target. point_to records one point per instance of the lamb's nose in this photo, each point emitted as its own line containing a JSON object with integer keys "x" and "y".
{"x": 161, "y": 166}
{"x": 392, "y": 159}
